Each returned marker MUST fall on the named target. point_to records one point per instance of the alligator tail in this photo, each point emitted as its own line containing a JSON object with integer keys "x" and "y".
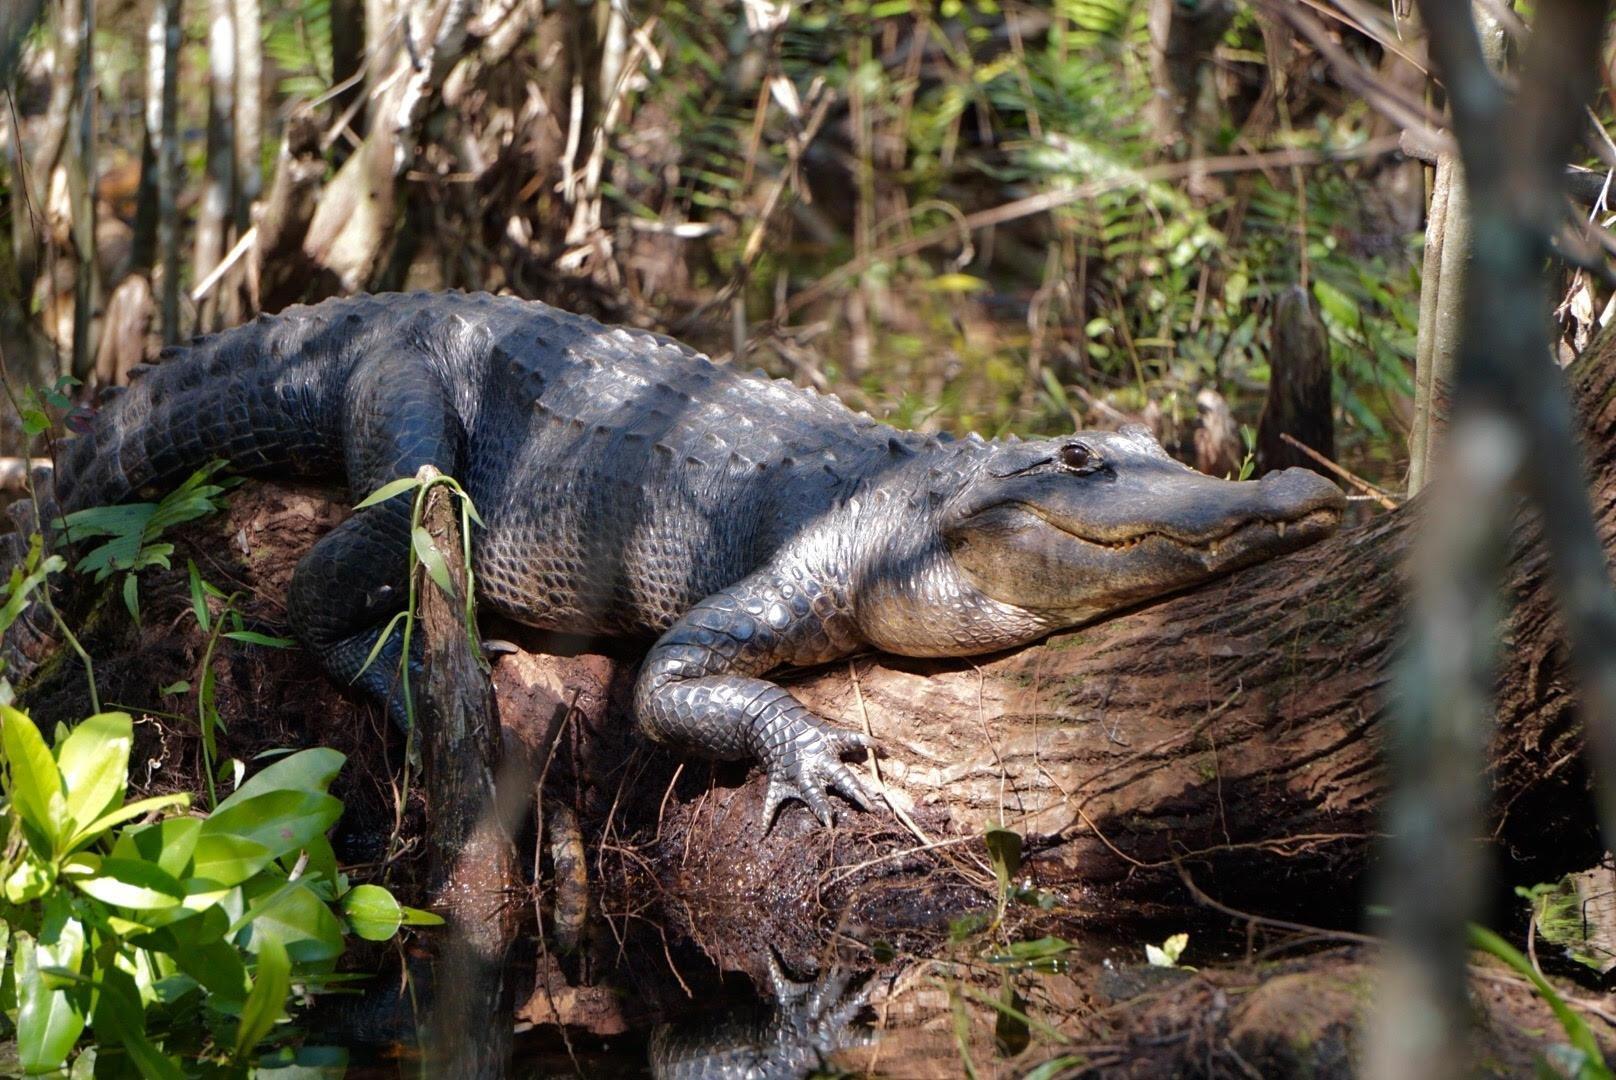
{"x": 262, "y": 396}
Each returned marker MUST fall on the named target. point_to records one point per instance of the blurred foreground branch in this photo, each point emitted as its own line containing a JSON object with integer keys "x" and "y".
{"x": 1512, "y": 425}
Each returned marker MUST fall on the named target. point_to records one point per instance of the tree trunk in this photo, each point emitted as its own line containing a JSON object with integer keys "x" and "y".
{"x": 215, "y": 215}
{"x": 471, "y": 850}
{"x": 168, "y": 171}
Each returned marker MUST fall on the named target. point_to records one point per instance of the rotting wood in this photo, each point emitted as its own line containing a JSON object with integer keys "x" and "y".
{"x": 472, "y": 853}
{"x": 1298, "y": 402}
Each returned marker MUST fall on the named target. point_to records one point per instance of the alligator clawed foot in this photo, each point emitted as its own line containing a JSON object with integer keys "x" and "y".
{"x": 809, "y": 766}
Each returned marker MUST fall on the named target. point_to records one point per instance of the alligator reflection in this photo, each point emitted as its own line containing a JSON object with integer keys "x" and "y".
{"x": 793, "y": 1038}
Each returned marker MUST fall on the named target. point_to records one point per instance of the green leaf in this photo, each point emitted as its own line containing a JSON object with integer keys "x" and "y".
{"x": 387, "y": 491}
{"x": 1169, "y": 952}
{"x": 372, "y": 912}
{"x": 36, "y": 783}
{"x": 307, "y": 770}
{"x": 49, "y": 1020}
{"x": 228, "y": 860}
{"x": 132, "y": 883}
{"x": 25, "y": 579}
{"x": 381, "y": 639}
{"x": 417, "y": 917}
{"x": 1024, "y": 952}
{"x": 432, "y": 559}
{"x": 199, "y": 600}
{"x": 131, "y": 597}
{"x": 217, "y": 966}
{"x": 281, "y": 821}
{"x": 94, "y": 763}
{"x": 299, "y": 920}
{"x": 1004, "y": 852}
{"x": 1054, "y": 1067}
{"x": 1575, "y": 1027}
{"x": 252, "y": 637}
{"x": 266, "y": 1003}
{"x": 133, "y": 810}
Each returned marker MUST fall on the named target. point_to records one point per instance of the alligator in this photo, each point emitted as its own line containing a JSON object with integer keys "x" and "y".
{"x": 631, "y": 487}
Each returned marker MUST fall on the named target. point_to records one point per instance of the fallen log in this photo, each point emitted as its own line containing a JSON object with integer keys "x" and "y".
{"x": 1234, "y": 732}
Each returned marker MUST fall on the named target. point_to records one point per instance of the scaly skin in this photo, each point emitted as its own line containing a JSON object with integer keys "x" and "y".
{"x": 633, "y": 488}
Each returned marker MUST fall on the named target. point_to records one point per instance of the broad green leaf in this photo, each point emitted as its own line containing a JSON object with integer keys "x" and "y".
{"x": 280, "y": 821}
{"x": 307, "y": 770}
{"x": 36, "y": 783}
{"x": 121, "y": 520}
{"x": 320, "y": 867}
{"x": 228, "y": 860}
{"x": 217, "y": 965}
{"x": 372, "y": 912}
{"x": 131, "y": 883}
{"x": 432, "y": 559}
{"x": 263, "y": 903}
{"x": 49, "y": 1020}
{"x": 30, "y": 880}
{"x": 266, "y": 1003}
{"x": 387, "y": 491}
{"x": 94, "y": 762}
{"x": 134, "y": 810}
{"x": 299, "y": 920}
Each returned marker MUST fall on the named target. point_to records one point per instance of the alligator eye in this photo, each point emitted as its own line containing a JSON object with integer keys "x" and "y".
{"x": 1078, "y": 458}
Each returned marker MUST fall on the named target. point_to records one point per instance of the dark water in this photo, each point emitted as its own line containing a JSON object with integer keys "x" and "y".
{"x": 645, "y": 1006}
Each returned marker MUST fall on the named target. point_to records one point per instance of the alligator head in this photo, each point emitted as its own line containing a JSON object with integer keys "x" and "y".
{"x": 1069, "y": 529}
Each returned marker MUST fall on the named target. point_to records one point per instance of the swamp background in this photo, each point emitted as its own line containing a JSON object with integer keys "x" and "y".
{"x": 963, "y": 216}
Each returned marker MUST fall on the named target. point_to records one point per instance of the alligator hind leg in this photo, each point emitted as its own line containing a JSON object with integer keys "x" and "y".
{"x": 352, "y": 582}
{"x": 699, "y": 690}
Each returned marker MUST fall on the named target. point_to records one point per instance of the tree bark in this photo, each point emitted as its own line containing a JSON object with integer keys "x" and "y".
{"x": 472, "y": 853}
{"x": 215, "y": 215}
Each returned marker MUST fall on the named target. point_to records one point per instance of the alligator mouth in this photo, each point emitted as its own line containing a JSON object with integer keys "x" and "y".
{"x": 1235, "y": 540}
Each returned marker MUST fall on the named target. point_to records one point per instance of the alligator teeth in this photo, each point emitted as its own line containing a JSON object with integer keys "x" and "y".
{"x": 1280, "y": 528}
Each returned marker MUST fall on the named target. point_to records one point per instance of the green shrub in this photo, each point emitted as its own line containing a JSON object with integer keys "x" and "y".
{"x": 177, "y": 937}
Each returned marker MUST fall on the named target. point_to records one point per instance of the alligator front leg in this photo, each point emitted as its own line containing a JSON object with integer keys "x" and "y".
{"x": 699, "y": 690}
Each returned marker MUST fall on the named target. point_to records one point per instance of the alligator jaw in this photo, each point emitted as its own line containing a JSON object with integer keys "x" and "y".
{"x": 1263, "y": 536}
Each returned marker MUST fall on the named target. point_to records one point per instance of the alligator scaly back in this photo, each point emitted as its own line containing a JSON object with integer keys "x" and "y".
{"x": 262, "y": 396}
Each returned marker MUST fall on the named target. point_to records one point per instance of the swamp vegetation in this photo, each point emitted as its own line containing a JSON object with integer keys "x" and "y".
{"x": 1152, "y": 846}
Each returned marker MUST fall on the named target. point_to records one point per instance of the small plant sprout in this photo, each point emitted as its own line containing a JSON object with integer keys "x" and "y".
{"x": 1167, "y": 953}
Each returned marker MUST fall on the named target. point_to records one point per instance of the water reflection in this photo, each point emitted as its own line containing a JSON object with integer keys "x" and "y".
{"x": 791, "y": 1038}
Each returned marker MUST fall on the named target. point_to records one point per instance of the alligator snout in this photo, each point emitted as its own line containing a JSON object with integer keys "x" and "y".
{"x": 1297, "y": 493}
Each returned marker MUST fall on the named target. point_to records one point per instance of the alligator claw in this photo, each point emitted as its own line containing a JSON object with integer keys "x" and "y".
{"x": 811, "y": 766}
